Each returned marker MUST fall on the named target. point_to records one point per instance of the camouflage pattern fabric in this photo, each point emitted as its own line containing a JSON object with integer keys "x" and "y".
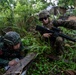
{"x": 67, "y": 24}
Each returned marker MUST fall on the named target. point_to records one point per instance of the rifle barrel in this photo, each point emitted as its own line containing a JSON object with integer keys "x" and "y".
{"x": 45, "y": 30}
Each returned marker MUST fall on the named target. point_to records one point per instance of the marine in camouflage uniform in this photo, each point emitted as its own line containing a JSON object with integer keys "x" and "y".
{"x": 57, "y": 43}
{"x": 10, "y": 48}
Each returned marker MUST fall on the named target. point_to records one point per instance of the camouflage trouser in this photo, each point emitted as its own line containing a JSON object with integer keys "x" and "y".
{"x": 58, "y": 45}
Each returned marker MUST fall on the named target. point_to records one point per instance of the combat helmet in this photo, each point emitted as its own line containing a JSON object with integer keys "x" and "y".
{"x": 11, "y": 38}
{"x": 44, "y": 13}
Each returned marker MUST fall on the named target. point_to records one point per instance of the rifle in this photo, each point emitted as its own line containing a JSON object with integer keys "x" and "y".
{"x": 22, "y": 65}
{"x": 55, "y": 32}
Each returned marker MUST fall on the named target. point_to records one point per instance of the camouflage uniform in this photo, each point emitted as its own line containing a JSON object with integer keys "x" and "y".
{"x": 56, "y": 42}
{"x": 8, "y": 53}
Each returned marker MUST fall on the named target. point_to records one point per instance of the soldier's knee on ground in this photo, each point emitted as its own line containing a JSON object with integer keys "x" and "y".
{"x": 59, "y": 40}
{"x": 59, "y": 45}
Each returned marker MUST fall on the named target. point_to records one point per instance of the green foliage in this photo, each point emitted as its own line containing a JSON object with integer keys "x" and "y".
{"x": 42, "y": 65}
{"x": 74, "y": 11}
{"x": 66, "y": 3}
{"x": 34, "y": 44}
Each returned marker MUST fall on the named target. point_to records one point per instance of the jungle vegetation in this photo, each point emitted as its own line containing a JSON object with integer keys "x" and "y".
{"x": 22, "y": 16}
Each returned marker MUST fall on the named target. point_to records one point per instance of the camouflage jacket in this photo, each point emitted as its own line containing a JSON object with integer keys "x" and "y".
{"x": 7, "y": 54}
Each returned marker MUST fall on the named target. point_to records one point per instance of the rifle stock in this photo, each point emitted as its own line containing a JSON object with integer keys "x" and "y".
{"x": 55, "y": 31}
{"x": 18, "y": 69}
